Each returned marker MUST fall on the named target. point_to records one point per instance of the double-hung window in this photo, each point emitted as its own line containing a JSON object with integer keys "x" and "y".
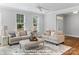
{"x": 36, "y": 23}
{"x": 20, "y": 22}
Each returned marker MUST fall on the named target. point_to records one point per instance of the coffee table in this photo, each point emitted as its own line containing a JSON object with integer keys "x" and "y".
{"x": 27, "y": 44}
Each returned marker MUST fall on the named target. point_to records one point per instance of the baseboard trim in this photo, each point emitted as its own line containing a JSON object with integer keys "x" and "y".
{"x": 72, "y": 35}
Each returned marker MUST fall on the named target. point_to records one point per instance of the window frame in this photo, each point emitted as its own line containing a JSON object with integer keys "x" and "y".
{"x": 20, "y": 21}
{"x": 36, "y": 24}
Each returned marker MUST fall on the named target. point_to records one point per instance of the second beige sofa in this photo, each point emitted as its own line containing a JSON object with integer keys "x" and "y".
{"x": 22, "y": 35}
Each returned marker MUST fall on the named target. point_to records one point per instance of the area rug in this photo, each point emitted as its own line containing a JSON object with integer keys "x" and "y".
{"x": 48, "y": 49}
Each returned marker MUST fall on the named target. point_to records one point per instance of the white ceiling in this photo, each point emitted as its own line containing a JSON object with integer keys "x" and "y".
{"x": 33, "y": 6}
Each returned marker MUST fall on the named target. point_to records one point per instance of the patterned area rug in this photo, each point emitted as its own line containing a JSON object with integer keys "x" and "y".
{"x": 48, "y": 49}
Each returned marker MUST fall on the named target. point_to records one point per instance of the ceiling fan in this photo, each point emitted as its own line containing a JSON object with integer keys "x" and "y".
{"x": 42, "y": 9}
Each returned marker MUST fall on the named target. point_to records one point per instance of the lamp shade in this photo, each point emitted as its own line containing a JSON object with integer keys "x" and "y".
{"x": 3, "y": 30}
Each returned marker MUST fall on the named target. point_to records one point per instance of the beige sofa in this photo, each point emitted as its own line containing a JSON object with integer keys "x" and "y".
{"x": 54, "y": 37}
{"x": 19, "y": 36}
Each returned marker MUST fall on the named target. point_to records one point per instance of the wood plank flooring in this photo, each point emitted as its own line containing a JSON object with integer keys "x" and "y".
{"x": 74, "y": 43}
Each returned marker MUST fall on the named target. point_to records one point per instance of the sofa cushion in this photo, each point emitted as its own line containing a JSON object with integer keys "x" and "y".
{"x": 23, "y": 33}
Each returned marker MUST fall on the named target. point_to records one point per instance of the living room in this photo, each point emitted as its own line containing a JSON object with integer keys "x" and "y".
{"x": 36, "y": 28}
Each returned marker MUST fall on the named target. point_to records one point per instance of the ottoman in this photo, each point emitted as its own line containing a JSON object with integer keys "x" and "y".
{"x": 27, "y": 44}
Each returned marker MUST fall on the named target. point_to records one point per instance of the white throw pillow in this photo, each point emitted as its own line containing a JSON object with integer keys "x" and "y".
{"x": 28, "y": 32}
{"x": 52, "y": 33}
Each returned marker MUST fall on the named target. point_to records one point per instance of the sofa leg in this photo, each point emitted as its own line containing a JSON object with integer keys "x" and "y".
{"x": 57, "y": 44}
{"x": 62, "y": 43}
{"x": 10, "y": 44}
{"x": 13, "y": 44}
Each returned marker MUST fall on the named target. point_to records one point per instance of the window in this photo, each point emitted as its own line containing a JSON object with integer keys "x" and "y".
{"x": 20, "y": 21}
{"x": 35, "y": 23}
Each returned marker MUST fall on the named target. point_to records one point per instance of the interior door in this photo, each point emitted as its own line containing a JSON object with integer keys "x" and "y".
{"x": 59, "y": 23}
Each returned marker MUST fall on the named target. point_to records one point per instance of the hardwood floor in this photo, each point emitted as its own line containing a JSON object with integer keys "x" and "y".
{"x": 74, "y": 43}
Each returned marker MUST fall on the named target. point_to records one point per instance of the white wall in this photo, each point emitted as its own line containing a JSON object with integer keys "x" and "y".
{"x": 71, "y": 25}
{"x": 0, "y": 18}
{"x": 50, "y": 18}
{"x": 46, "y": 22}
{"x": 67, "y": 10}
{"x": 9, "y": 19}
{"x": 50, "y": 21}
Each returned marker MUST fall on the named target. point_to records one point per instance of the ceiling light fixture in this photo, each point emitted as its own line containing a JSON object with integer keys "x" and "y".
{"x": 43, "y": 10}
{"x": 75, "y": 12}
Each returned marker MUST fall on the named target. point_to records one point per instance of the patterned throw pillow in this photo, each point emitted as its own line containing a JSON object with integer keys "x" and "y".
{"x": 12, "y": 34}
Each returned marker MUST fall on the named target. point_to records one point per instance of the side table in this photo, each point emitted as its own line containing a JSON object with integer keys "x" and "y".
{"x": 4, "y": 40}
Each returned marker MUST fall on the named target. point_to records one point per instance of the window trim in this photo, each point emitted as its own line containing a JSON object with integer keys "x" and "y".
{"x": 20, "y": 21}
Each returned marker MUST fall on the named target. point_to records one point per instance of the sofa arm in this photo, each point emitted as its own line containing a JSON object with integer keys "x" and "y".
{"x": 60, "y": 37}
{"x": 14, "y": 40}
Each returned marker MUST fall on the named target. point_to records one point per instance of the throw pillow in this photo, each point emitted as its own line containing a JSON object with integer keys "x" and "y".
{"x": 22, "y": 33}
{"x": 52, "y": 33}
{"x": 12, "y": 34}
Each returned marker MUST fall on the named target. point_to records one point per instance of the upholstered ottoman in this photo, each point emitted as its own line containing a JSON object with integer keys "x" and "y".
{"x": 27, "y": 44}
